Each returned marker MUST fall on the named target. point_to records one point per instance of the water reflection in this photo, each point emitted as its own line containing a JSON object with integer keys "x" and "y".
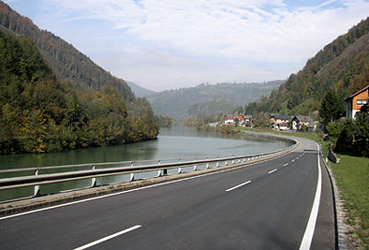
{"x": 177, "y": 142}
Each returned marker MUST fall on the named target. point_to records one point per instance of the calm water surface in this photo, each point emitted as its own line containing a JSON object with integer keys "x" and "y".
{"x": 177, "y": 142}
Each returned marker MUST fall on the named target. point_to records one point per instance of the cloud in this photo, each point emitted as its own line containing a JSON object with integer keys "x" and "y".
{"x": 199, "y": 39}
{"x": 227, "y": 28}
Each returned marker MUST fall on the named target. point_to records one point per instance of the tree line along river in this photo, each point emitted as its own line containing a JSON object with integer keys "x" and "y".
{"x": 178, "y": 142}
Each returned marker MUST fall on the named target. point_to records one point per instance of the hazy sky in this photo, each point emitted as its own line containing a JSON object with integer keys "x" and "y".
{"x": 169, "y": 44}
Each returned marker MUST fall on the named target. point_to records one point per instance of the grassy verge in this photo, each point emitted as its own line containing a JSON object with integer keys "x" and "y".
{"x": 352, "y": 176}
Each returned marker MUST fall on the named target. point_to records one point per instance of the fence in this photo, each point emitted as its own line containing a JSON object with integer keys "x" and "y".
{"x": 39, "y": 176}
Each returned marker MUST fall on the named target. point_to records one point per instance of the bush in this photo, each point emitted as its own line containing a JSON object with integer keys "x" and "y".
{"x": 351, "y": 136}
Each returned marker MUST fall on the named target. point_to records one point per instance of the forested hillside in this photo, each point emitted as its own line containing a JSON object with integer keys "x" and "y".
{"x": 208, "y": 100}
{"x": 342, "y": 66}
{"x": 46, "y": 106}
{"x": 67, "y": 63}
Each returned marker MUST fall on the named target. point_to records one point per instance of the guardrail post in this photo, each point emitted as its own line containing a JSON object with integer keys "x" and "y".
{"x": 161, "y": 172}
{"x": 179, "y": 169}
{"x": 93, "y": 180}
{"x": 36, "y": 188}
{"x": 132, "y": 175}
{"x": 34, "y": 181}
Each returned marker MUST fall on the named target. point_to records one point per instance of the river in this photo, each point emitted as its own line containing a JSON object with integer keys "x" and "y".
{"x": 178, "y": 142}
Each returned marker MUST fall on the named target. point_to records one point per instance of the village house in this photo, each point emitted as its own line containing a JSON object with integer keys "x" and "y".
{"x": 234, "y": 119}
{"x": 279, "y": 122}
{"x": 228, "y": 119}
{"x": 238, "y": 119}
{"x": 298, "y": 122}
{"x": 356, "y": 101}
{"x": 247, "y": 120}
{"x": 244, "y": 121}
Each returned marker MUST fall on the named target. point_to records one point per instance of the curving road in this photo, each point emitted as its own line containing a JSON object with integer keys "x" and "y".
{"x": 267, "y": 205}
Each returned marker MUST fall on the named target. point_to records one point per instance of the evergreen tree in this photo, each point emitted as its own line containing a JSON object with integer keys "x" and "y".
{"x": 331, "y": 108}
{"x": 362, "y": 131}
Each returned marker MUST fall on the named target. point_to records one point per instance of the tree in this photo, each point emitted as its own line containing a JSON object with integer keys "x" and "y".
{"x": 362, "y": 131}
{"x": 331, "y": 108}
{"x": 346, "y": 137}
{"x": 262, "y": 120}
{"x": 351, "y": 136}
{"x": 40, "y": 114}
{"x": 335, "y": 129}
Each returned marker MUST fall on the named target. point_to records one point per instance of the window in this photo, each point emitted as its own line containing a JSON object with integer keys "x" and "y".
{"x": 361, "y": 102}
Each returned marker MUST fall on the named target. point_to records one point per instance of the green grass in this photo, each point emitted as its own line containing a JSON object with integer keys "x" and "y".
{"x": 352, "y": 176}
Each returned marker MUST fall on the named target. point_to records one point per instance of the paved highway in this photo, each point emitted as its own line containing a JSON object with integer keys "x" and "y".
{"x": 284, "y": 203}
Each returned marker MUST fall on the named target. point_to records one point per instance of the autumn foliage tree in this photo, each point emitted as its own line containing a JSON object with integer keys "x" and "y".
{"x": 40, "y": 114}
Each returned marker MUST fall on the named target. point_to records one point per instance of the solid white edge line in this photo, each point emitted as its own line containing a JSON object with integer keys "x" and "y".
{"x": 310, "y": 227}
{"x": 239, "y": 185}
{"x": 108, "y": 237}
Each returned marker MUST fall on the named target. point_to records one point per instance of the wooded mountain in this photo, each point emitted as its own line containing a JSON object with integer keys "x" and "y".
{"x": 208, "y": 100}
{"x": 342, "y": 66}
{"x": 52, "y": 97}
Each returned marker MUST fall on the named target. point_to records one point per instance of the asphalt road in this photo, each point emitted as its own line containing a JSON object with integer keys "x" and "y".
{"x": 261, "y": 206}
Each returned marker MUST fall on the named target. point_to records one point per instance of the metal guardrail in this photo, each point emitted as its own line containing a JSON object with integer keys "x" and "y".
{"x": 127, "y": 167}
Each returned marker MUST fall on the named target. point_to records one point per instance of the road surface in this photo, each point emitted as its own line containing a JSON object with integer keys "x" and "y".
{"x": 265, "y": 205}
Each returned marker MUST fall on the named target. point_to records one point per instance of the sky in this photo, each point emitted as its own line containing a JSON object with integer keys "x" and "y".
{"x": 170, "y": 44}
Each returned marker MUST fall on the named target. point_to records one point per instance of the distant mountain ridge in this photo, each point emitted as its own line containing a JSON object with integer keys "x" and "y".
{"x": 208, "y": 100}
{"x": 139, "y": 91}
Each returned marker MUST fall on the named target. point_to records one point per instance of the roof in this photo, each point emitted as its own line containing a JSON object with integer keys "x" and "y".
{"x": 281, "y": 117}
{"x": 303, "y": 118}
{"x": 353, "y": 95}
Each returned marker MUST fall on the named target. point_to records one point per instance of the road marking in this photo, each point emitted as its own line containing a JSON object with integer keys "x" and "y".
{"x": 310, "y": 227}
{"x": 109, "y": 237}
{"x": 239, "y": 185}
{"x": 285, "y": 165}
{"x": 124, "y": 192}
{"x": 293, "y": 160}
{"x": 129, "y": 191}
{"x": 272, "y": 171}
